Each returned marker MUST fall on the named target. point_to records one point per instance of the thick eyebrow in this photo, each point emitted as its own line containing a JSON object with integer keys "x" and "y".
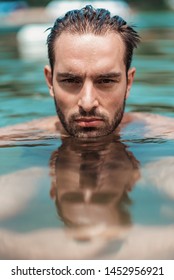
{"x": 110, "y": 75}
{"x": 67, "y": 75}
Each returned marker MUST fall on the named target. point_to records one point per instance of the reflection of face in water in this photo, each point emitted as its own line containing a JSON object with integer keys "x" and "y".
{"x": 91, "y": 181}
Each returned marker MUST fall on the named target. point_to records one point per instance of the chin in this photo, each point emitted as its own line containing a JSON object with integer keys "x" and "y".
{"x": 90, "y": 133}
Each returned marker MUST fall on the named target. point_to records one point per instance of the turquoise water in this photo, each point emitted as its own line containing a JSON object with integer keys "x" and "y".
{"x": 127, "y": 183}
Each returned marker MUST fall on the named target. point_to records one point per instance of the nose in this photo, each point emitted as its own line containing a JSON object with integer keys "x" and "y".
{"x": 88, "y": 98}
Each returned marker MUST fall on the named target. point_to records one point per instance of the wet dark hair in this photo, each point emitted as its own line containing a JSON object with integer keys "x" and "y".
{"x": 95, "y": 21}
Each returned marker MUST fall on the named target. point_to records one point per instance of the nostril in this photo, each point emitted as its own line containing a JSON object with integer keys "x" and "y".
{"x": 85, "y": 113}
{"x": 87, "y": 110}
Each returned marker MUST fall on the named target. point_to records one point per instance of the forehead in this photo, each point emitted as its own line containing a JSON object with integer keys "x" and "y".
{"x": 89, "y": 52}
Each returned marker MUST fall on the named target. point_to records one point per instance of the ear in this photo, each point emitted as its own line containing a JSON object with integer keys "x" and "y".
{"x": 49, "y": 79}
{"x": 53, "y": 191}
{"x": 130, "y": 79}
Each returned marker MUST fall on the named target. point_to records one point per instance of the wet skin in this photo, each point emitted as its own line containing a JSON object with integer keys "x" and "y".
{"x": 89, "y": 83}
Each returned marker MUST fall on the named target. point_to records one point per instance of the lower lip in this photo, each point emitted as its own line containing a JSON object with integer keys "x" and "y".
{"x": 92, "y": 123}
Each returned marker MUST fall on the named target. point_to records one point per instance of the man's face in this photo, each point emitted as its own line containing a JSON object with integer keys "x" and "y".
{"x": 89, "y": 83}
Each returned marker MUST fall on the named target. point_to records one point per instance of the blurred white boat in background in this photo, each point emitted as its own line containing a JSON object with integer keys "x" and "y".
{"x": 116, "y": 7}
{"x": 31, "y": 38}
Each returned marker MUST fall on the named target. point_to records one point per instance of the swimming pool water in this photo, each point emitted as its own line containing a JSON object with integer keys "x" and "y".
{"x": 117, "y": 183}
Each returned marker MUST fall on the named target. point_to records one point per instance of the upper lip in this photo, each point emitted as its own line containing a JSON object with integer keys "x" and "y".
{"x": 88, "y": 119}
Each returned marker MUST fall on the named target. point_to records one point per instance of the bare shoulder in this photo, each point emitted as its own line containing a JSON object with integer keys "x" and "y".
{"x": 45, "y": 124}
{"x": 33, "y": 130}
{"x": 152, "y": 118}
{"x": 155, "y": 125}
{"x": 147, "y": 118}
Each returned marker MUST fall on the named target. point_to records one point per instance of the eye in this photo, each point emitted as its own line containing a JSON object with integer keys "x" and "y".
{"x": 106, "y": 81}
{"x": 71, "y": 81}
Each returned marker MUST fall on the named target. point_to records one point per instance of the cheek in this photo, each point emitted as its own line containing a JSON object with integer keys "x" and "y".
{"x": 113, "y": 102}
{"x": 60, "y": 96}
{"x": 66, "y": 102}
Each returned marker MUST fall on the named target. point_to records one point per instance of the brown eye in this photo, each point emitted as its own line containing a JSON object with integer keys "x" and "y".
{"x": 106, "y": 81}
{"x": 70, "y": 81}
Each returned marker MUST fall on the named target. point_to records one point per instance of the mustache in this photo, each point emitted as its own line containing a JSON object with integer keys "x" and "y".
{"x": 91, "y": 113}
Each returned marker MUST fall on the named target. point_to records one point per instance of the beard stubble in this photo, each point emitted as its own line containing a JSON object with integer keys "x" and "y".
{"x": 84, "y": 132}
